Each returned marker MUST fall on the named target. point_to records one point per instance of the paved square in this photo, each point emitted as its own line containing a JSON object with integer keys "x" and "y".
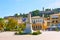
{"x": 46, "y": 35}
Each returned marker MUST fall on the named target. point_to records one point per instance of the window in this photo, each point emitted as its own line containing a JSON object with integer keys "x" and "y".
{"x": 52, "y": 21}
{"x": 56, "y": 21}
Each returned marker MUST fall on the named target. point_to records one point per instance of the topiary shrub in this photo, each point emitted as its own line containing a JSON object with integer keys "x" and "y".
{"x": 36, "y": 33}
{"x": 19, "y": 33}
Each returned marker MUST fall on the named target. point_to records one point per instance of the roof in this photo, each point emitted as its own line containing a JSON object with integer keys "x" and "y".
{"x": 36, "y": 17}
{"x": 16, "y": 17}
{"x": 55, "y": 14}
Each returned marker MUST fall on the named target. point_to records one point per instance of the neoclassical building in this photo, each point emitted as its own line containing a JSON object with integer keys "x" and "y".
{"x": 38, "y": 23}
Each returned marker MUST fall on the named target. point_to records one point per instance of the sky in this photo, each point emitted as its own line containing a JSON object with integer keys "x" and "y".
{"x": 10, "y": 7}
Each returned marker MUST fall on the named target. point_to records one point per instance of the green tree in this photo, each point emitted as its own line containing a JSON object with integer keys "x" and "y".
{"x": 2, "y": 23}
{"x": 16, "y": 14}
{"x": 35, "y": 13}
{"x": 24, "y": 15}
{"x": 20, "y": 14}
{"x": 22, "y": 26}
{"x": 47, "y": 9}
{"x": 12, "y": 23}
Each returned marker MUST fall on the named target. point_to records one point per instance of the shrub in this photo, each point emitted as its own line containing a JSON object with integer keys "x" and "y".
{"x": 56, "y": 29}
{"x": 36, "y": 33}
{"x": 7, "y": 29}
{"x": 19, "y": 33}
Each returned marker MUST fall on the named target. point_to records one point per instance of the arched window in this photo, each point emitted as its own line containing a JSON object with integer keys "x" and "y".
{"x": 52, "y": 21}
{"x": 56, "y": 21}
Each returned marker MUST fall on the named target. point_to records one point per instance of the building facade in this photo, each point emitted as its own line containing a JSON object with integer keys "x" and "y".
{"x": 54, "y": 22}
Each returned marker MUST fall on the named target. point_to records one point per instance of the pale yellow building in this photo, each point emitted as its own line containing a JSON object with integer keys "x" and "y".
{"x": 55, "y": 19}
{"x": 39, "y": 23}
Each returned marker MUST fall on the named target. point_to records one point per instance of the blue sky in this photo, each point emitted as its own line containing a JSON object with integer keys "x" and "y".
{"x": 10, "y": 7}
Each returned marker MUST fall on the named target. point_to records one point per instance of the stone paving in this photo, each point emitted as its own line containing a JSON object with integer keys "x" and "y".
{"x": 46, "y": 35}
